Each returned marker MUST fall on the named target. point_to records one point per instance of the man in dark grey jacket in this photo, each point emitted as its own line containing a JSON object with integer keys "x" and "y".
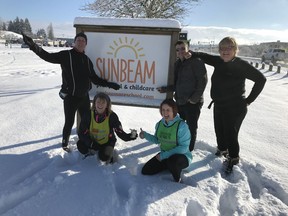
{"x": 190, "y": 80}
{"x": 77, "y": 75}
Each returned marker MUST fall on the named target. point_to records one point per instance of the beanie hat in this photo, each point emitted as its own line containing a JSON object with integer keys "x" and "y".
{"x": 81, "y": 34}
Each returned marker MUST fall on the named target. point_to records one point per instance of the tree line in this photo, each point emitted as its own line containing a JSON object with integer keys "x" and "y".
{"x": 19, "y": 25}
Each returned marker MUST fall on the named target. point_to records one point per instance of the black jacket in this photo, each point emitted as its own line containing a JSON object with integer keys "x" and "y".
{"x": 228, "y": 79}
{"x": 77, "y": 71}
{"x": 190, "y": 79}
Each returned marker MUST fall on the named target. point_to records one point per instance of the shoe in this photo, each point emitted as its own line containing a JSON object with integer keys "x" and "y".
{"x": 65, "y": 145}
{"x": 90, "y": 152}
{"x": 65, "y": 148}
{"x": 230, "y": 162}
{"x": 221, "y": 153}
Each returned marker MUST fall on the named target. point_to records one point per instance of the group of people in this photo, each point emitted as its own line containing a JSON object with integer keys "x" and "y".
{"x": 176, "y": 132}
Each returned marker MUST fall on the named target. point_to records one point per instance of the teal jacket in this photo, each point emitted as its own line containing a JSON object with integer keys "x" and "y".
{"x": 183, "y": 140}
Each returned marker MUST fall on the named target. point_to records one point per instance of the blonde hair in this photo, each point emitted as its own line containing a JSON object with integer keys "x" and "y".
{"x": 102, "y": 96}
{"x": 229, "y": 41}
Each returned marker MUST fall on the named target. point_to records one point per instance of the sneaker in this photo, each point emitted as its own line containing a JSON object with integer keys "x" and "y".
{"x": 230, "y": 162}
{"x": 90, "y": 152}
{"x": 65, "y": 146}
{"x": 221, "y": 153}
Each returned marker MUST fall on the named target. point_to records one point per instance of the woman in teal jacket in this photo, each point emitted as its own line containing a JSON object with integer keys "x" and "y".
{"x": 173, "y": 136}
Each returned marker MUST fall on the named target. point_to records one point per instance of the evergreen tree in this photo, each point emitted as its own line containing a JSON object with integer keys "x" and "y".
{"x": 19, "y": 25}
{"x": 11, "y": 26}
{"x": 4, "y": 27}
{"x": 27, "y": 26}
{"x": 41, "y": 33}
{"x": 50, "y": 32}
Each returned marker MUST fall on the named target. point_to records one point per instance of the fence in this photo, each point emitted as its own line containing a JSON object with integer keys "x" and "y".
{"x": 257, "y": 62}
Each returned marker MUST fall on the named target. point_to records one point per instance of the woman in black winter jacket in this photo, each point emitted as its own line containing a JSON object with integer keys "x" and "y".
{"x": 228, "y": 95}
{"x": 77, "y": 75}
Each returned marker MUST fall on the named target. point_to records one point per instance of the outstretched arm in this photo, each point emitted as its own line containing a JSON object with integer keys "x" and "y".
{"x": 98, "y": 80}
{"x": 32, "y": 45}
{"x": 116, "y": 125}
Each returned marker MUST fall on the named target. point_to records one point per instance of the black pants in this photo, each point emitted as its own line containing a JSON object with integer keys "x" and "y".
{"x": 190, "y": 113}
{"x": 175, "y": 164}
{"x": 71, "y": 105}
{"x": 105, "y": 151}
{"x": 227, "y": 123}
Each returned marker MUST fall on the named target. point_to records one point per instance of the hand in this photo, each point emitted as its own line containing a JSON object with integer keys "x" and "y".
{"x": 29, "y": 41}
{"x": 187, "y": 55}
{"x": 158, "y": 157}
{"x": 62, "y": 94}
{"x": 33, "y": 46}
{"x": 141, "y": 134}
{"x": 190, "y": 101}
{"x": 114, "y": 86}
{"x": 162, "y": 89}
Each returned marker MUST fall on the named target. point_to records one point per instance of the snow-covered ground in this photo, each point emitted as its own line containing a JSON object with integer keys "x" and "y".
{"x": 38, "y": 178}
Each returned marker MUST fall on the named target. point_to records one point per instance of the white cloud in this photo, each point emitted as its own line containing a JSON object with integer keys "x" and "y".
{"x": 242, "y": 36}
{"x": 204, "y": 34}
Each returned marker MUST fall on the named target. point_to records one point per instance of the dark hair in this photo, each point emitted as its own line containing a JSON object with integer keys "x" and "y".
{"x": 171, "y": 103}
{"x": 80, "y": 34}
{"x": 102, "y": 96}
{"x": 179, "y": 42}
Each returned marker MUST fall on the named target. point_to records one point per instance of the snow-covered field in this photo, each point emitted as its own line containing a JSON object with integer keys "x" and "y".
{"x": 38, "y": 178}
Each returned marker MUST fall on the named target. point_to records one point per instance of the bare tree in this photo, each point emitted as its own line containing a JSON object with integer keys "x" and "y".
{"x": 174, "y": 9}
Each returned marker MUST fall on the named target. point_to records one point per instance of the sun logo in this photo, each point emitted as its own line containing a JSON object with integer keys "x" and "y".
{"x": 122, "y": 44}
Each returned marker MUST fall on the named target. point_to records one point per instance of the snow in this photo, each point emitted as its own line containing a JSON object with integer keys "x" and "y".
{"x": 38, "y": 178}
{"x": 134, "y": 22}
{"x": 9, "y": 35}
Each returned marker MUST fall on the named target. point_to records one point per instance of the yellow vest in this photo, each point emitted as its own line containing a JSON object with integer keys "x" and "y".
{"x": 99, "y": 131}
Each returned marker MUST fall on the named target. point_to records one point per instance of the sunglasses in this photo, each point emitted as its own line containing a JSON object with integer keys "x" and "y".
{"x": 180, "y": 49}
{"x": 227, "y": 48}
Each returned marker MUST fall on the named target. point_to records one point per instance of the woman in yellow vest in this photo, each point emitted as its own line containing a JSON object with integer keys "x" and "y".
{"x": 173, "y": 136}
{"x": 96, "y": 130}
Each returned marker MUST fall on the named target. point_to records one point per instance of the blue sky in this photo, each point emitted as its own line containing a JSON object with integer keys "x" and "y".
{"x": 256, "y": 14}
{"x": 235, "y": 14}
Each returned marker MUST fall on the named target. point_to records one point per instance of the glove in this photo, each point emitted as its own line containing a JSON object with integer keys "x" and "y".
{"x": 133, "y": 135}
{"x": 114, "y": 86}
{"x": 29, "y": 41}
{"x": 162, "y": 89}
{"x": 62, "y": 94}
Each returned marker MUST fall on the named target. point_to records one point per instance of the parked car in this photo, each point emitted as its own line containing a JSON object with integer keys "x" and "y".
{"x": 274, "y": 55}
{"x": 24, "y": 45}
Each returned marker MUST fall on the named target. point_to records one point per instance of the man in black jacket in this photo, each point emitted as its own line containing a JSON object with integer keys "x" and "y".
{"x": 77, "y": 75}
{"x": 190, "y": 80}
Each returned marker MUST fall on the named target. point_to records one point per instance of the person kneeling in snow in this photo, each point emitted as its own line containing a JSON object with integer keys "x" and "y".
{"x": 173, "y": 136}
{"x": 96, "y": 130}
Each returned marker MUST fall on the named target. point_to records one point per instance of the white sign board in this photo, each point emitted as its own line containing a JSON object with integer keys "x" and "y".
{"x": 138, "y": 62}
